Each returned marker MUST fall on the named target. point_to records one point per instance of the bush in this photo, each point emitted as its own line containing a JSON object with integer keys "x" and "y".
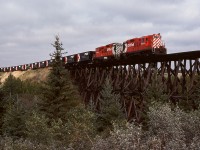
{"x": 7, "y": 143}
{"x": 78, "y": 131}
{"x": 166, "y": 125}
{"x": 37, "y": 129}
{"x": 168, "y": 129}
{"x": 81, "y": 129}
{"x": 174, "y": 127}
{"x": 128, "y": 138}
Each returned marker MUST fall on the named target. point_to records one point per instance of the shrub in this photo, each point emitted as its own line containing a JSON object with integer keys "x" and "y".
{"x": 7, "y": 143}
{"x": 128, "y": 138}
{"x": 168, "y": 129}
{"x": 166, "y": 125}
{"x": 80, "y": 127}
{"x": 37, "y": 129}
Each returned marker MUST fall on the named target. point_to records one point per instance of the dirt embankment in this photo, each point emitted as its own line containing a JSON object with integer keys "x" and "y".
{"x": 34, "y": 75}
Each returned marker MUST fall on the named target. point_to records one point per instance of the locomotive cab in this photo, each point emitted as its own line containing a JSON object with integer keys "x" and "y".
{"x": 158, "y": 46}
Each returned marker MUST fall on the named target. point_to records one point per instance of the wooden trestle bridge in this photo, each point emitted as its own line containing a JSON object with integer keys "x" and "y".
{"x": 131, "y": 77}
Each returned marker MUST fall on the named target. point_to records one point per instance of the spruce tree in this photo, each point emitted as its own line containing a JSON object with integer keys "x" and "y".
{"x": 1, "y": 107}
{"x": 12, "y": 86}
{"x": 195, "y": 94}
{"x": 59, "y": 95}
{"x": 14, "y": 119}
{"x": 111, "y": 109}
{"x": 154, "y": 93}
{"x": 191, "y": 98}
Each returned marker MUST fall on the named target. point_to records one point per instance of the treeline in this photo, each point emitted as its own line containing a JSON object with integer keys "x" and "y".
{"x": 51, "y": 115}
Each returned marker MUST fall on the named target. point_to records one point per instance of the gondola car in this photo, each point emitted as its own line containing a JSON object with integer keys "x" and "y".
{"x": 42, "y": 64}
{"x": 14, "y": 68}
{"x": 49, "y": 62}
{"x": 71, "y": 59}
{"x": 85, "y": 57}
{"x": 22, "y": 67}
{"x": 34, "y": 65}
{"x": 7, "y": 69}
{"x": 19, "y": 68}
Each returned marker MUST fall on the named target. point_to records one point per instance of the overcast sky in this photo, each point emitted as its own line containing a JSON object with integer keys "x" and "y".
{"x": 28, "y": 27}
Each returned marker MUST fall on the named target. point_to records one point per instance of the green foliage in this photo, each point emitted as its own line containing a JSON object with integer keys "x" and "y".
{"x": 168, "y": 129}
{"x": 154, "y": 93}
{"x": 1, "y": 108}
{"x": 14, "y": 94}
{"x": 43, "y": 131}
{"x": 78, "y": 131}
{"x": 128, "y": 137}
{"x": 191, "y": 98}
{"x": 7, "y": 143}
{"x": 81, "y": 129}
{"x": 12, "y": 86}
{"x": 32, "y": 88}
{"x": 37, "y": 129}
{"x": 165, "y": 124}
{"x": 59, "y": 93}
{"x": 176, "y": 129}
{"x": 14, "y": 119}
{"x": 111, "y": 109}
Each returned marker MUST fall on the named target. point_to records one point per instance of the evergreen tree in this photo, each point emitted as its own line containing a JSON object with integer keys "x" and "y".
{"x": 14, "y": 119}
{"x": 59, "y": 94}
{"x": 12, "y": 86}
{"x": 8, "y": 92}
{"x": 1, "y": 107}
{"x": 195, "y": 94}
{"x": 191, "y": 98}
{"x": 111, "y": 108}
{"x": 154, "y": 93}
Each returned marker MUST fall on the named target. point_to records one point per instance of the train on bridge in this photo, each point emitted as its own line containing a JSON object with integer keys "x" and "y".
{"x": 145, "y": 45}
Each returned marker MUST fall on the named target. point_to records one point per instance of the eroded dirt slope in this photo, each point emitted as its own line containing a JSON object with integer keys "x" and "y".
{"x": 34, "y": 75}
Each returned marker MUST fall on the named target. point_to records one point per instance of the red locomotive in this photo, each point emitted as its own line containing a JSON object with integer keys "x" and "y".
{"x": 111, "y": 50}
{"x": 145, "y": 45}
{"x": 150, "y": 44}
